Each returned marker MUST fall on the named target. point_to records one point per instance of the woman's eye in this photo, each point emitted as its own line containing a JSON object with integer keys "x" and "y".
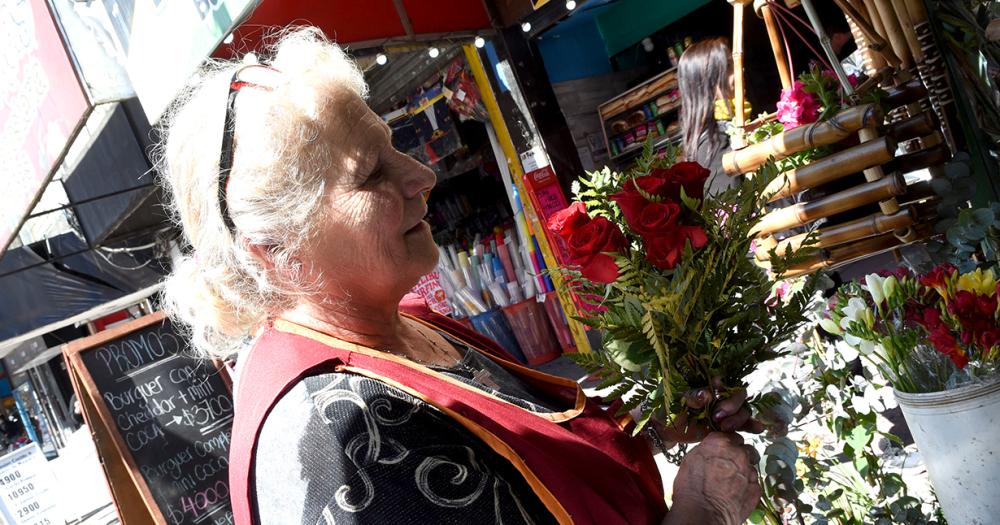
{"x": 374, "y": 177}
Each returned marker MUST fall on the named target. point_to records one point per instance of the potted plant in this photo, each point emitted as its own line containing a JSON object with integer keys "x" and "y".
{"x": 936, "y": 337}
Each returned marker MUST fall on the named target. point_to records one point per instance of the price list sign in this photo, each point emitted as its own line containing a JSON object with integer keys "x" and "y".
{"x": 170, "y": 416}
{"x": 27, "y": 489}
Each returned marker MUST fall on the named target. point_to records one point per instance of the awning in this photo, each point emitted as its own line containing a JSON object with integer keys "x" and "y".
{"x": 371, "y": 23}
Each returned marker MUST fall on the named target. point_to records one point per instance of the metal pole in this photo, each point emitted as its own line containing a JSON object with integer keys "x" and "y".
{"x": 824, "y": 42}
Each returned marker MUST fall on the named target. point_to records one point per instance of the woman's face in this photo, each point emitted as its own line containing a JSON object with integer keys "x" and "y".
{"x": 372, "y": 242}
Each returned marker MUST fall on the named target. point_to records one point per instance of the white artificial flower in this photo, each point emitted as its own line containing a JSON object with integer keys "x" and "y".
{"x": 889, "y": 286}
{"x": 846, "y": 351}
{"x": 857, "y": 311}
{"x": 874, "y": 284}
{"x": 830, "y": 326}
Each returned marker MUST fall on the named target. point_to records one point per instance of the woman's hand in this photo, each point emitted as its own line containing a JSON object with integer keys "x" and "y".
{"x": 730, "y": 415}
{"x": 717, "y": 483}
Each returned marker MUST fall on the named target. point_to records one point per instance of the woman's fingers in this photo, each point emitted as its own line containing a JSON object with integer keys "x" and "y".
{"x": 736, "y": 421}
{"x": 698, "y": 399}
{"x": 753, "y": 426}
{"x": 730, "y": 406}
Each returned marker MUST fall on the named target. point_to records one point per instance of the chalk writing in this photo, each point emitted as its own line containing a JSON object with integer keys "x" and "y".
{"x": 174, "y": 415}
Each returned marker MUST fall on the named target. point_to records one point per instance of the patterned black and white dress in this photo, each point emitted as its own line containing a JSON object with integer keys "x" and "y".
{"x": 344, "y": 449}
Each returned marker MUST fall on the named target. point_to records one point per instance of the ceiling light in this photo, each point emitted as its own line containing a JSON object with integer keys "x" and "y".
{"x": 228, "y": 39}
{"x": 570, "y": 5}
{"x": 434, "y": 52}
{"x": 480, "y": 41}
{"x": 381, "y": 59}
{"x": 526, "y": 27}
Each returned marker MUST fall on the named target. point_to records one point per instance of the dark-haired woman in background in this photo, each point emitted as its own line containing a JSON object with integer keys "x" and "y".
{"x": 705, "y": 77}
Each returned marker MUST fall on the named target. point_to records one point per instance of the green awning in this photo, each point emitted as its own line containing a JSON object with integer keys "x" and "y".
{"x": 629, "y": 21}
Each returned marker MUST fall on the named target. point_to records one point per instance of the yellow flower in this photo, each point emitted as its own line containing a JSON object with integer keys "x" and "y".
{"x": 978, "y": 282}
{"x": 811, "y": 446}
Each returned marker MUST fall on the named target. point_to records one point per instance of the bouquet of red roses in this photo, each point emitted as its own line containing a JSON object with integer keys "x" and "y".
{"x": 664, "y": 271}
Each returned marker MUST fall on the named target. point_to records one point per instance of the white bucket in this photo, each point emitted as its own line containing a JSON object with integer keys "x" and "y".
{"x": 958, "y": 433}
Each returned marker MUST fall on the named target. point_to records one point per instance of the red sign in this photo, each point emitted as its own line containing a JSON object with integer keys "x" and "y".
{"x": 42, "y": 105}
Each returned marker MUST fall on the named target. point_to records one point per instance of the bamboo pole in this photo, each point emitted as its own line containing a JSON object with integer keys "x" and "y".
{"x": 876, "y": 23}
{"x": 905, "y": 93}
{"x": 832, "y": 167}
{"x": 922, "y": 159}
{"x": 842, "y": 233}
{"x": 849, "y": 199}
{"x": 909, "y": 33}
{"x": 738, "y": 140}
{"x": 920, "y": 125}
{"x": 864, "y": 248}
{"x": 777, "y": 46}
{"x": 839, "y": 127}
{"x": 893, "y": 32}
{"x": 918, "y": 191}
{"x": 869, "y": 41}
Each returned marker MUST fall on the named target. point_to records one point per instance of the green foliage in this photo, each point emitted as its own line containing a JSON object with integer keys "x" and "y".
{"x": 972, "y": 237}
{"x": 667, "y": 332}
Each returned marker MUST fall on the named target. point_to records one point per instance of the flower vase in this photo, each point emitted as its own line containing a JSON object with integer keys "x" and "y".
{"x": 958, "y": 434}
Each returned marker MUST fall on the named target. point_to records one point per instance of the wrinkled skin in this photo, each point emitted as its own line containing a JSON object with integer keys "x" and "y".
{"x": 717, "y": 483}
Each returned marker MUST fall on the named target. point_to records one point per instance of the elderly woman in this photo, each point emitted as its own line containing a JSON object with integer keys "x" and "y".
{"x": 305, "y": 228}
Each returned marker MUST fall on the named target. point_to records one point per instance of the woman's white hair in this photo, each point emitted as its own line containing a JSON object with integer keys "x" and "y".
{"x": 219, "y": 290}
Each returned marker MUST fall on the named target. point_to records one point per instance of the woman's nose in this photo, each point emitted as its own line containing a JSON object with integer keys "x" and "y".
{"x": 419, "y": 179}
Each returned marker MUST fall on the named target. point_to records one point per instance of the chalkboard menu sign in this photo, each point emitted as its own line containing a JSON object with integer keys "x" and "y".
{"x": 169, "y": 415}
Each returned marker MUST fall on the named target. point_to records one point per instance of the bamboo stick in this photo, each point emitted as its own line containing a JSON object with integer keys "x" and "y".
{"x": 864, "y": 248}
{"x": 874, "y": 173}
{"x": 909, "y": 34}
{"x": 777, "y": 46}
{"x": 918, "y": 191}
{"x": 839, "y": 127}
{"x": 849, "y": 199}
{"x": 842, "y": 233}
{"x": 905, "y": 94}
{"x": 893, "y": 32}
{"x": 917, "y": 11}
{"x": 917, "y": 126}
{"x": 877, "y": 51}
{"x": 873, "y": 61}
{"x": 738, "y": 140}
{"x": 922, "y": 159}
{"x": 832, "y": 167}
{"x": 876, "y": 23}
{"x": 874, "y": 246}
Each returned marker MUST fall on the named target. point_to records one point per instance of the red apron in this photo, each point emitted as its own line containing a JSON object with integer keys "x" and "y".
{"x": 580, "y": 463}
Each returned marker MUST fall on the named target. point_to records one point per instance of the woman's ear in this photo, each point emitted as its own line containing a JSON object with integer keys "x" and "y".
{"x": 264, "y": 253}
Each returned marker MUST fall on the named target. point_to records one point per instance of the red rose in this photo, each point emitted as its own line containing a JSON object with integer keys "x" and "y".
{"x": 568, "y": 220}
{"x": 631, "y": 203}
{"x": 657, "y": 218}
{"x": 657, "y": 183}
{"x": 665, "y": 251}
{"x": 588, "y": 246}
{"x": 691, "y": 176}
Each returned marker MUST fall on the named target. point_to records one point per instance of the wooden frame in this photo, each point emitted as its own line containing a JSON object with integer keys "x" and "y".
{"x": 633, "y": 98}
{"x": 133, "y": 496}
